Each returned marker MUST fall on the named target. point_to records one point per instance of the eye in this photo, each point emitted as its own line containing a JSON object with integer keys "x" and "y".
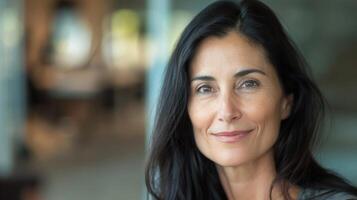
{"x": 204, "y": 89}
{"x": 249, "y": 84}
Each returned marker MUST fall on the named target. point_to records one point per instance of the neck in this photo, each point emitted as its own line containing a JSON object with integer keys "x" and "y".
{"x": 251, "y": 180}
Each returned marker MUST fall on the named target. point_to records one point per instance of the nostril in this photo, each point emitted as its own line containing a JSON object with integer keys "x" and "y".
{"x": 230, "y": 116}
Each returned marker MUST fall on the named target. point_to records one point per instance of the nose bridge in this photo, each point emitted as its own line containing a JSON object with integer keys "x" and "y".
{"x": 228, "y": 106}
{"x": 226, "y": 102}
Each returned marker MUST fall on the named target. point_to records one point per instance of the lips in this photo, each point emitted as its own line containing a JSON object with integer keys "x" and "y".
{"x": 231, "y": 136}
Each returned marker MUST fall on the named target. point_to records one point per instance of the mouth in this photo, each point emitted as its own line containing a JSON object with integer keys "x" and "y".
{"x": 231, "y": 136}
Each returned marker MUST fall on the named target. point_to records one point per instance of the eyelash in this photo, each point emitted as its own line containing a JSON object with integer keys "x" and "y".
{"x": 198, "y": 90}
{"x": 252, "y": 84}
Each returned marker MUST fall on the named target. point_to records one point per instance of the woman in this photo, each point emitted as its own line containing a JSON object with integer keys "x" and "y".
{"x": 238, "y": 114}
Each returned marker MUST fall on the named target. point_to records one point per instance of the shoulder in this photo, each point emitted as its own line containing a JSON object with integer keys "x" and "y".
{"x": 311, "y": 194}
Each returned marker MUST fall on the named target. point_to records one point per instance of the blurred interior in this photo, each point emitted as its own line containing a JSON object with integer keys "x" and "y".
{"x": 79, "y": 81}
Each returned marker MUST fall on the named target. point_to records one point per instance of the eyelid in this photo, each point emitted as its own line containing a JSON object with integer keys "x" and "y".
{"x": 203, "y": 85}
{"x": 241, "y": 83}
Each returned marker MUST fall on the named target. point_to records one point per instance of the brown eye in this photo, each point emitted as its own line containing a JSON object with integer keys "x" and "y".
{"x": 204, "y": 89}
{"x": 249, "y": 84}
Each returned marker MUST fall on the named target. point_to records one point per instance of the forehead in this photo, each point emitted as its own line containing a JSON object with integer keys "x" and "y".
{"x": 233, "y": 51}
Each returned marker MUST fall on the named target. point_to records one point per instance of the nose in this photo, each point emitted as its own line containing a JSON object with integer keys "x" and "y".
{"x": 228, "y": 109}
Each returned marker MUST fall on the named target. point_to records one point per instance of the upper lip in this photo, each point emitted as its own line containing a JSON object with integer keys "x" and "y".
{"x": 231, "y": 133}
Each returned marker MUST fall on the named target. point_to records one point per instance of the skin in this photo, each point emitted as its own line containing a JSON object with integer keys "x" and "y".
{"x": 224, "y": 98}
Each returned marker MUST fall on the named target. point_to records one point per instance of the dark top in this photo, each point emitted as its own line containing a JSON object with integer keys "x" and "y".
{"x": 310, "y": 194}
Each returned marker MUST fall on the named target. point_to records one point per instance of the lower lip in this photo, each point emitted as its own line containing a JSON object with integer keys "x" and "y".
{"x": 232, "y": 138}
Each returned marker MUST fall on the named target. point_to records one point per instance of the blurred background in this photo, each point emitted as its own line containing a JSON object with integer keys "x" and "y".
{"x": 79, "y": 81}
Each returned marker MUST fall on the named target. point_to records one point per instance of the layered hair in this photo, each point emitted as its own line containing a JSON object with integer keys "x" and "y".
{"x": 177, "y": 170}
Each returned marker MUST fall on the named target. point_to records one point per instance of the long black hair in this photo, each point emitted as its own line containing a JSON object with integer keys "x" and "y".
{"x": 177, "y": 170}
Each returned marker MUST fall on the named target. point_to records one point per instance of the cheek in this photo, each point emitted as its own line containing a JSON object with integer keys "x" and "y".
{"x": 264, "y": 112}
{"x": 200, "y": 116}
{"x": 261, "y": 110}
{"x": 263, "y": 107}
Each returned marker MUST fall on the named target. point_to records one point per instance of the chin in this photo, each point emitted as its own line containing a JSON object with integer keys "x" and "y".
{"x": 229, "y": 159}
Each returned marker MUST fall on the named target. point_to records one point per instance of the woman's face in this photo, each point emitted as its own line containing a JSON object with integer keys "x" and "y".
{"x": 236, "y": 101}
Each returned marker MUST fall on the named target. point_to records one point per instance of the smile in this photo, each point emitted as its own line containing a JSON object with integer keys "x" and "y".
{"x": 231, "y": 136}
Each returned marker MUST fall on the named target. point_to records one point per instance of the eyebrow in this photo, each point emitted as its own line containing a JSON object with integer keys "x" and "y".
{"x": 236, "y": 75}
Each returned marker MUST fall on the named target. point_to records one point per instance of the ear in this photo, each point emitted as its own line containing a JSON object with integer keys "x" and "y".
{"x": 286, "y": 106}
